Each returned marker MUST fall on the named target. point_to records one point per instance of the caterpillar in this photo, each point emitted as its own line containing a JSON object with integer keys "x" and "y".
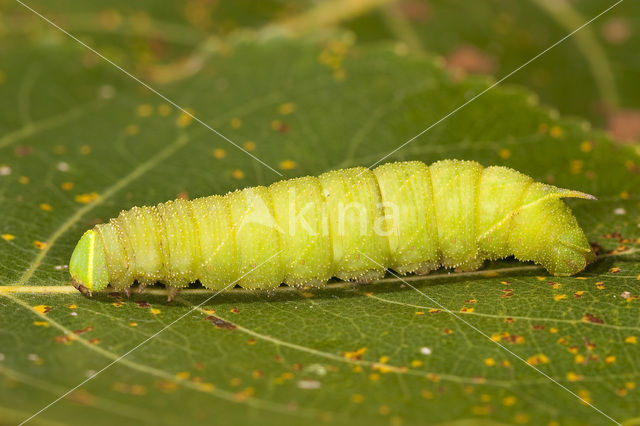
{"x": 352, "y": 224}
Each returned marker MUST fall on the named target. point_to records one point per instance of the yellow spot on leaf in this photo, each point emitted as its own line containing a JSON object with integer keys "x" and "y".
{"x": 287, "y": 164}
{"x": 467, "y": 310}
{"x": 40, "y": 244}
{"x": 600, "y": 285}
{"x": 585, "y": 396}
{"x": 575, "y": 166}
{"x": 586, "y": 146}
{"x": 578, "y": 359}
{"x": 356, "y": 369}
{"x": 155, "y": 311}
{"x": 67, "y": 186}
{"x": 164, "y": 110}
{"x": 558, "y": 297}
{"x": 144, "y": 110}
{"x": 85, "y": 150}
{"x": 87, "y": 198}
{"x": 610, "y": 359}
{"x": 374, "y": 377}
{"x": 631, "y": 339}
{"x": 206, "y": 387}
{"x": 237, "y": 174}
{"x": 553, "y": 330}
{"x": 624, "y": 195}
{"x": 132, "y": 129}
{"x": 46, "y": 207}
{"x": 490, "y": 362}
{"x": 573, "y": 377}
{"x": 249, "y": 145}
{"x": 556, "y": 132}
{"x": 419, "y": 313}
{"x": 133, "y": 324}
{"x": 357, "y": 398}
{"x": 383, "y": 359}
{"x": 41, "y": 323}
{"x": 219, "y": 153}
{"x": 416, "y": 363}
{"x": 42, "y": 309}
{"x": 538, "y": 359}
{"x": 235, "y": 123}
{"x": 481, "y": 410}
{"x": 357, "y": 354}
{"x": 286, "y": 108}
{"x": 8, "y": 237}
{"x": 504, "y": 153}
{"x": 185, "y": 118}
{"x": 427, "y": 394}
{"x": 509, "y": 401}
{"x": 167, "y": 386}
{"x": 183, "y": 375}
{"x": 23, "y": 180}
{"x": 276, "y": 125}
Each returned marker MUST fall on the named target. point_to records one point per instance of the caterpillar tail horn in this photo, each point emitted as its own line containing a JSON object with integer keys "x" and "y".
{"x": 88, "y": 265}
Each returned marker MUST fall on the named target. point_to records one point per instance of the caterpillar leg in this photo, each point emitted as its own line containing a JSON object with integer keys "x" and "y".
{"x": 305, "y": 282}
{"x": 365, "y": 276}
{"x": 171, "y": 293}
{"x": 470, "y": 265}
{"x": 419, "y": 268}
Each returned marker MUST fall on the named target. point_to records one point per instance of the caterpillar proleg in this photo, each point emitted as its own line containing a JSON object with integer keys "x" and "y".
{"x": 407, "y": 216}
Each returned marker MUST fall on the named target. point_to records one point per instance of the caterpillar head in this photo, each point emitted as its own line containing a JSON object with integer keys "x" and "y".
{"x": 87, "y": 265}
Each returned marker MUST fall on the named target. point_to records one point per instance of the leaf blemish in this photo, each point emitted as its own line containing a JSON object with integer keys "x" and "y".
{"x": 220, "y": 323}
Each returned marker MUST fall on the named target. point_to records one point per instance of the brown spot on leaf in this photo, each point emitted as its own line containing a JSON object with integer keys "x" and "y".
{"x": 220, "y": 323}
{"x": 23, "y": 150}
{"x": 538, "y": 327}
{"x": 471, "y": 60}
{"x": 81, "y": 397}
{"x": 592, "y": 318}
{"x": 616, "y": 30}
{"x": 235, "y": 310}
{"x": 413, "y": 10}
{"x": 142, "y": 304}
{"x": 83, "y": 330}
{"x": 624, "y": 124}
{"x": 66, "y": 339}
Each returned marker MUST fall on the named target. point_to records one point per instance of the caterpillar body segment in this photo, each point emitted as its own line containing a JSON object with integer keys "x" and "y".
{"x": 351, "y": 224}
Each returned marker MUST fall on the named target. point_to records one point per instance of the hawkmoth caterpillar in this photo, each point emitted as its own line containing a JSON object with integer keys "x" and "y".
{"x": 352, "y": 224}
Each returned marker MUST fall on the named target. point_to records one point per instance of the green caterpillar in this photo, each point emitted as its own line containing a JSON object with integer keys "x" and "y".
{"x": 352, "y": 224}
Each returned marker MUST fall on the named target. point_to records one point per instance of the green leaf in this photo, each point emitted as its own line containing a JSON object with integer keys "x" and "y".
{"x": 590, "y": 74}
{"x": 81, "y": 141}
